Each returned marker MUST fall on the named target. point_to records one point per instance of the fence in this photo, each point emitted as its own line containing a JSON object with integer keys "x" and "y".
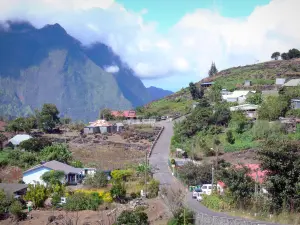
{"x": 143, "y": 121}
{"x": 204, "y": 219}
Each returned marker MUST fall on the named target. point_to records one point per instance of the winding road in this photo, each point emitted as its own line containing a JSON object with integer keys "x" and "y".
{"x": 159, "y": 161}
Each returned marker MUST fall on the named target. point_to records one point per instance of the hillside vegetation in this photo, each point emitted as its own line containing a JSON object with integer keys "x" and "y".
{"x": 262, "y": 76}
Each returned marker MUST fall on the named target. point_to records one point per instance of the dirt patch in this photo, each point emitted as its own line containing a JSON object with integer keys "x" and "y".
{"x": 11, "y": 174}
{"x": 156, "y": 211}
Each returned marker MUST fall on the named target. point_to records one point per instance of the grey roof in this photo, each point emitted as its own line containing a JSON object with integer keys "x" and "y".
{"x": 10, "y": 188}
{"x": 16, "y": 140}
{"x": 292, "y": 83}
{"x": 55, "y": 165}
{"x": 120, "y": 124}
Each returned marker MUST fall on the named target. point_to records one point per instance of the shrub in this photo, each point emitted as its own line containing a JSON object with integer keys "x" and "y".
{"x": 82, "y": 201}
{"x": 121, "y": 174}
{"x": 263, "y": 129}
{"x": 183, "y": 216}
{"x": 98, "y": 180}
{"x": 118, "y": 191}
{"x": 4, "y": 202}
{"x": 194, "y": 174}
{"x": 53, "y": 177}
{"x": 105, "y": 196}
{"x": 59, "y": 152}
{"x": 76, "y": 164}
{"x": 153, "y": 188}
{"x": 294, "y": 112}
{"x": 229, "y": 137}
{"x": 37, "y": 193}
{"x": 132, "y": 217}
{"x": 16, "y": 209}
{"x": 212, "y": 201}
{"x": 133, "y": 195}
{"x": 35, "y": 144}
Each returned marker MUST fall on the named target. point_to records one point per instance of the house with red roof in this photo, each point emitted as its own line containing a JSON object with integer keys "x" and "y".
{"x": 256, "y": 173}
{"x": 128, "y": 114}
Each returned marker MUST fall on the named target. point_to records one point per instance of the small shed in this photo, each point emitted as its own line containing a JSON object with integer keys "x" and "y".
{"x": 207, "y": 84}
{"x": 99, "y": 126}
{"x": 91, "y": 130}
{"x": 247, "y": 83}
{"x": 119, "y": 127}
{"x": 295, "y": 103}
{"x": 16, "y": 140}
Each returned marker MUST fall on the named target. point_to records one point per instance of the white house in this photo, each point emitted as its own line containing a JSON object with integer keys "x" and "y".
{"x": 72, "y": 175}
{"x": 238, "y": 96}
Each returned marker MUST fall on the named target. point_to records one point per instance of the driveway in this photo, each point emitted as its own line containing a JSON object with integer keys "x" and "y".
{"x": 159, "y": 161}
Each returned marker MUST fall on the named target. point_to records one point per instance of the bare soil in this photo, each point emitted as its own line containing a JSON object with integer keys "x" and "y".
{"x": 245, "y": 157}
{"x": 157, "y": 213}
{"x": 11, "y": 174}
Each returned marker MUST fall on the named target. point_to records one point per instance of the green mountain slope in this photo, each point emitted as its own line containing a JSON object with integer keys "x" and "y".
{"x": 262, "y": 76}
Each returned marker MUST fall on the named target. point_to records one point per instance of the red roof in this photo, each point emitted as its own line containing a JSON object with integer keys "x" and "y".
{"x": 261, "y": 175}
{"x": 127, "y": 114}
{"x": 256, "y": 171}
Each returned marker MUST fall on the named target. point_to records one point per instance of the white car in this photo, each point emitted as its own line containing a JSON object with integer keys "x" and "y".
{"x": 197, "y": 192}
{"x": 199, "y": 197}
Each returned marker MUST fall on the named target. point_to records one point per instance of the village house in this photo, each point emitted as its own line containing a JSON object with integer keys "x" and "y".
{"x": 280, "y": 81}
{"x": 207, "y": 84}
{"x": 14, "y": 190}
{"x": 73, "y": 175}
{"x": 239, "y": 96}
{"x": 99, "y": 126}
{"x": 250, "y": 110}
{"x": 292, "y": 83}
{"x": 128, "y": 114}
{"x": 118, "y": 127}
{"x": 256, "y": 173}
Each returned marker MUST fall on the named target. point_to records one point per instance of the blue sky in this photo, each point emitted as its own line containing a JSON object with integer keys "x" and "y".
{"x": 168, "y": 12}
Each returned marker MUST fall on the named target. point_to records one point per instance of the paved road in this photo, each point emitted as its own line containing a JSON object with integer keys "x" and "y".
{"x": 159, "y": 161}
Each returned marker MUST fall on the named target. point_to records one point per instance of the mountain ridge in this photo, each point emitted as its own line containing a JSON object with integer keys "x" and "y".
{"x": 47, "y": 65}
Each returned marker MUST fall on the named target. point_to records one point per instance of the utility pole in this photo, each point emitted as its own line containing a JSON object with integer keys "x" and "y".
{"x": 146, "y": 172}
{"x": 212, "y": 176}
{"x": 184, "y": 223}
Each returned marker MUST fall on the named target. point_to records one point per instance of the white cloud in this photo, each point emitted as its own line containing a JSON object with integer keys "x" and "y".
{"x": 186, "y": 50}
{"x": 112, "y": 69}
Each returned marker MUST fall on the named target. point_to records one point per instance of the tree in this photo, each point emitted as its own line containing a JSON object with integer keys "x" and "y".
{"x": 195, "y": 92}
{"x": 275, "y": 55}
{"x": 229, "y": 137}
{"x": 132, "y": 217}
{"x": 59, "y": 152}
{"x": 293, "y": 53}
{"x": 20, "y": 124}
{"x": 255, "y": 99}
{"x": 214, "y": 93}
{"x": 195, "y": 174}
{"x": 53, "y": 177}
{"x": 98, "y": 180}
{"x": 106, "y": 114}
{"x": 3, "y": 138}
{"x": 48, "y": 117}
{"x": 280, "y": 158}
{"x": 221, "y": 116}
{"x": 4, "y": 202}
{"x": 239, "y": 122}
{"x": 238, "y": 182}
{"x": 36, "y": 193}
{"x": 213, "y": 70}
{"x": 272, "y": 108}
{"x": 35, "y": 144}
{"x": 285, "y": 56}
{"x": 118, "y": 190}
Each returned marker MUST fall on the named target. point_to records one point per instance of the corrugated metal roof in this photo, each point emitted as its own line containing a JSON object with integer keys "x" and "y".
{"x": 16, "y": 140}
{"x": 244, "y": 107}
{"x": 292, "y": 83}
{"x": 100, "y": 123}
{"x": 237, "y": 94}
{"x": 55, "y": 165}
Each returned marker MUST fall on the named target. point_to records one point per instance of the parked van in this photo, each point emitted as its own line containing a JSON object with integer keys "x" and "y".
{"x": 207, "y": 188}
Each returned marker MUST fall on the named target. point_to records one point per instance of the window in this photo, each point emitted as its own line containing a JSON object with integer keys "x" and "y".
{"x": 204, "y": 187}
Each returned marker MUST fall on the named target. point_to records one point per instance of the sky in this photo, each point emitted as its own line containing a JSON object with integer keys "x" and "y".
{"x": 169, "y": 43}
